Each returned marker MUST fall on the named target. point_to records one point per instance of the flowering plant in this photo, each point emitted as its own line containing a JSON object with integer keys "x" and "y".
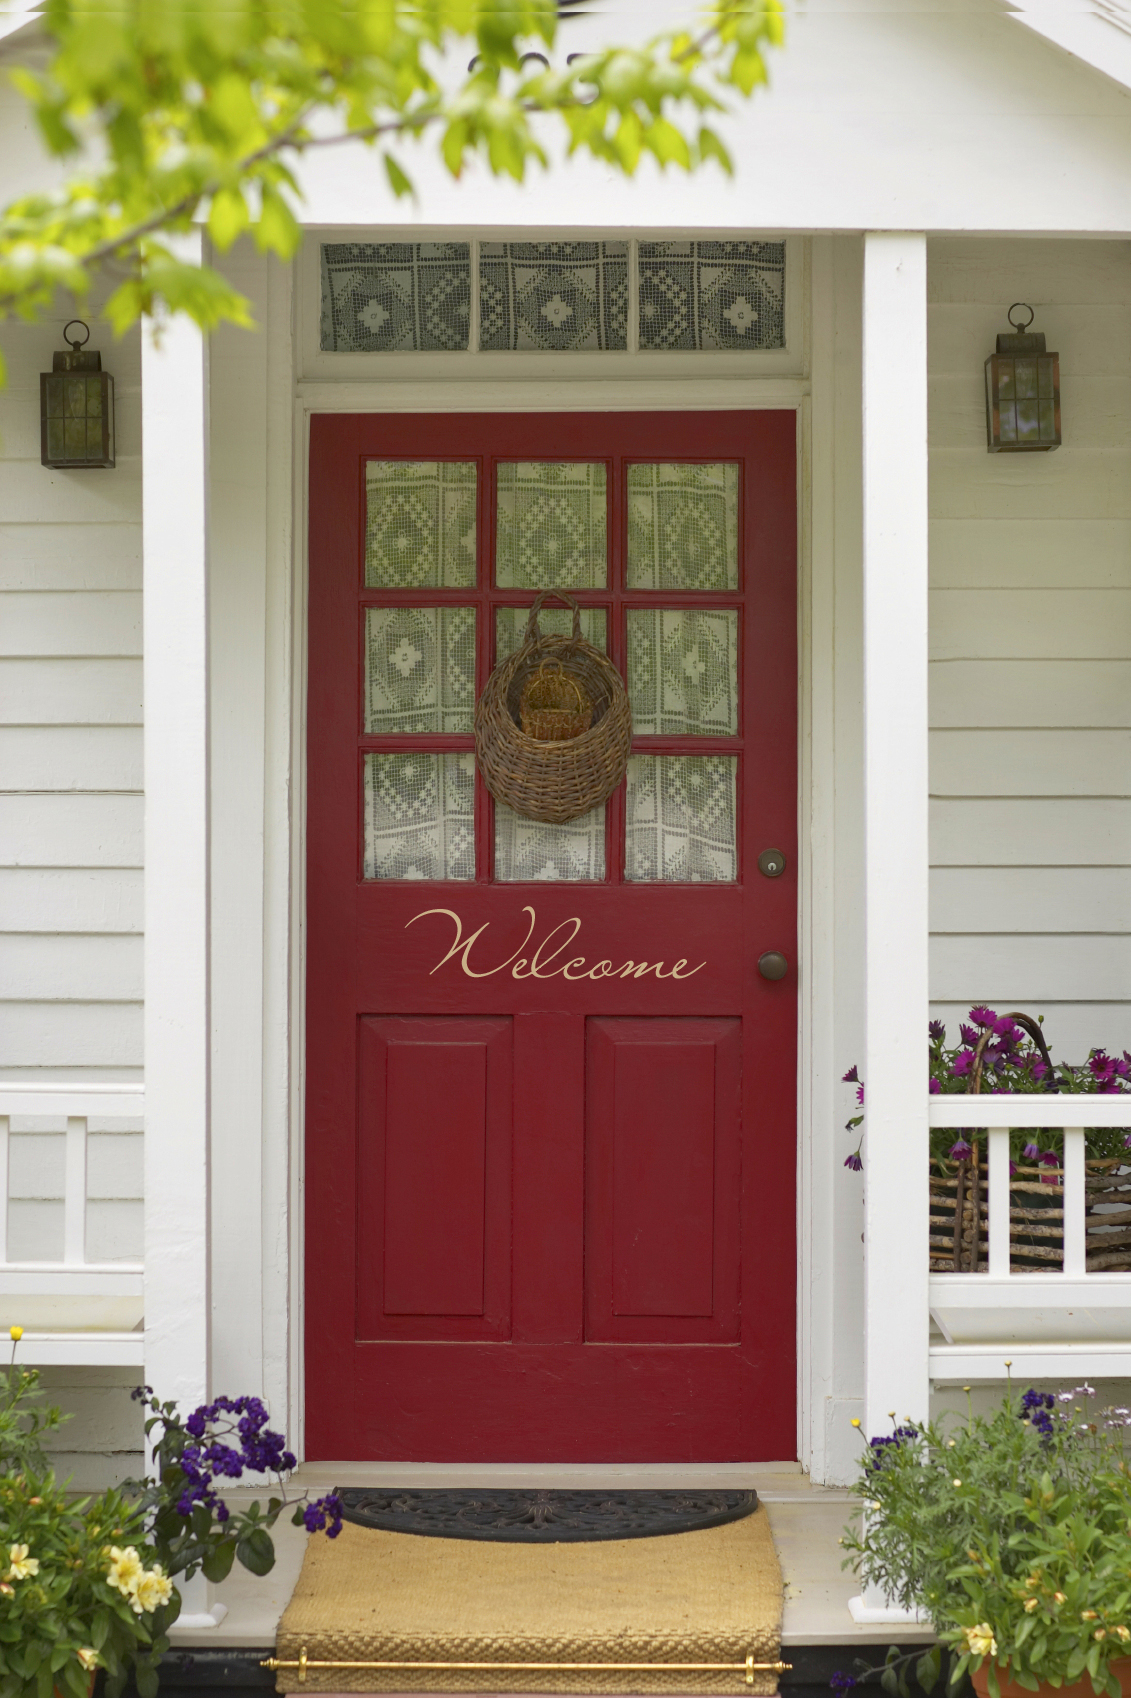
{"x": 1007, "y": 1054}
{"x": 1011, "y": 1532}
{"x": 89, "y": 1584}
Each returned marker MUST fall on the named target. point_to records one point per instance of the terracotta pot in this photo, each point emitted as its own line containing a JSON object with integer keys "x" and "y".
{"x": 1079, "y": 1688}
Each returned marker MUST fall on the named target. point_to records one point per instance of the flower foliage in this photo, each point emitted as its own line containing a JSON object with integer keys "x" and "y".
{"x": 1011, "y": 1062}
{"x": 170, "y": 114}
{"x": 1012, "y": 1531}
{"x": 192, "y": 1526}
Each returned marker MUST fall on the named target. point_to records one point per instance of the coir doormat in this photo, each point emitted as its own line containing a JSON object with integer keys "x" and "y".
{"x": 497, "y": 1616}
{"x": 543, "y": 1517}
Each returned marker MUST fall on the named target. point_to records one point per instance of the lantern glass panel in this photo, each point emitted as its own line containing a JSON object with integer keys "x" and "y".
{"x": 77, "y": 417}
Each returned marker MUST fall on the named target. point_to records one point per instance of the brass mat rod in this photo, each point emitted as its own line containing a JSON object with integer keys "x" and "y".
{"x": 748, "y": 1668}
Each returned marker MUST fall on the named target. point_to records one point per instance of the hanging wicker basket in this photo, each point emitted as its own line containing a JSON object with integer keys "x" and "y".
{"x": 553, "y": 707}
{"x": 554, "y": 781}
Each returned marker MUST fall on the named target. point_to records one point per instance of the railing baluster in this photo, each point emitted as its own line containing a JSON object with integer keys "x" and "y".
{"x": 1075, "y": 1203}
{"x": 999, "y": 1201}
{"x": 74, "y": 1193}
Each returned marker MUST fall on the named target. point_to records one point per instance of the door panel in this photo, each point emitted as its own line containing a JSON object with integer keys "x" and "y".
{"x": 550, "y": 1102}
{"x": 663, "y": 1172}
{"x": 434, "y": 1178}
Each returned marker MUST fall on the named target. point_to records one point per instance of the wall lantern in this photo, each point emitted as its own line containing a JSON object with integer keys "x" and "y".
{"x": 76, "y": 407}
{"x": 1022, "y": 391}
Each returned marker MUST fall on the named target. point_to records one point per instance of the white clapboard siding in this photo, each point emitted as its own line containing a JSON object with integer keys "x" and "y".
{"x": 1031, "y": 763}
{"x": 48, "y": 556}
{"x": 1019, "y": 968}
{"x": 1054, "y": 899}
{"x": 1031, "y": 831}
{"x": 70, "y": 757}
{"x": 70, "y": 622}
{"x": 1035, "y": 624}
{"x": 71, "y": 830}
{"x": 62, "y": 967}
{"x": 70, "y": 692}
{"x": 981, "y": 554}
{"x": 1056, "y": 693}
{"x": 71, "y": 803}
{"x": 1031, "y": 651}
{"x": 72, "y": 1039}
{"x": 71, "y": 899}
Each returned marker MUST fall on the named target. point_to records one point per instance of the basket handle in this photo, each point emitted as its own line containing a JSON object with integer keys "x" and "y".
{"x": 532, "y": 631}
{"x": 1028, "y": 1024}
{"x": 569, "y": 679}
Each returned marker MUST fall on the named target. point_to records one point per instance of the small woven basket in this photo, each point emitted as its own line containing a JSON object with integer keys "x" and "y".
{"x": 553, "y": 707}
{"x": 559, "y": 780}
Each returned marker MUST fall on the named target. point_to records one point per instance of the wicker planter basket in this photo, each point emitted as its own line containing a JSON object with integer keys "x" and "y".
{"x": 959, "y": 1205}
{"x": 560, "y": 780}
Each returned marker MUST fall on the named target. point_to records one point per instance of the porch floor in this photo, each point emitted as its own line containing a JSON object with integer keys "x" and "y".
{"x": 806, "y": 1522}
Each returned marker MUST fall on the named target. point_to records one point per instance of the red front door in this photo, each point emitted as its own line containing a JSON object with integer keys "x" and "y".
{"x": 550, "y": 1099}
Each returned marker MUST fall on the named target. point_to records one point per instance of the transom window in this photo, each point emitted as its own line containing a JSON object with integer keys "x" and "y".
{"x": 454, "y": 552}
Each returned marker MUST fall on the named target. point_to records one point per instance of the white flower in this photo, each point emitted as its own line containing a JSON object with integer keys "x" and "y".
{"x": 125, "y": 1570}
{"x": 21, "y": 1566}
{"x": 88, "y": 1657}
{"x": 980, "y": 1640}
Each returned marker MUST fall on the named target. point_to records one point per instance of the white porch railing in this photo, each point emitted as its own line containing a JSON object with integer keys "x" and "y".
{"x": 1063, "y": 1324}
{"x": 75, "y": 1310}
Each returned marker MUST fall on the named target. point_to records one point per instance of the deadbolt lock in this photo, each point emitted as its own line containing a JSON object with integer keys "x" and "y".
{"x": 771, "y": 862}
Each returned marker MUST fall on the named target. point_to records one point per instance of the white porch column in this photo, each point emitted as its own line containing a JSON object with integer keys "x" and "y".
{"x": 895, "y": 827}
{"x": 174, "y": 417}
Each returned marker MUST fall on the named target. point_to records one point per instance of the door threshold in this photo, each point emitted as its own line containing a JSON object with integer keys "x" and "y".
{"x": 764, "y": 1477}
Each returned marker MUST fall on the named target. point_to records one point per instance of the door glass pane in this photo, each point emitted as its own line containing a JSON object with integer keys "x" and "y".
{"x": 510, "y": 626}
{"x": 420, "y": 815}
{"x": 683, "y": 672}
{"x": 551, "y": 526}
{"x": 528, "y": 849}
{"x": 681, "y": 814}
{"x": 683, "y": 527}
{"x": 419, "y": 524}
{"x": 420, "y": 669}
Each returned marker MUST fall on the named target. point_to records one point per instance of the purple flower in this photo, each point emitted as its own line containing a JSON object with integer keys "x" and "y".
{"x": 853, "y": 1161}
{"x": 983, "y": 1016}
{"x": 935, "y": 1088}
{"x": 968, "y": 1034}
{"x": 1004, "y": 1028}
{"x": 851, "y": 1076}
{"x": 1050, "y": 1158}
{"x": 860, "y": 1094}
{"x": 1035, "y": 1408}
{"x": 841, "y": 1682}
{"x": 961, "y": 1151}
{"x": 962, "y": 1063}
{"x": 1030, "y": 1152}
{"x": 324, "y": 1512}
{"x": 937, "y": 1030}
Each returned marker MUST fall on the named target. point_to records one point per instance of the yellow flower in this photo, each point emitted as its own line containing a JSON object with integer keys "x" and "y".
{"x": 1030, "y": 1605}
{"x": 1061, "y": 1597}
{"x": 1100, "y": 1633}
{"x": 22, "y": 1565}
{"x": 15, "y": 1334}
{"x": 125, "y": 1570}
{"x": 8, "y": 1591}
{"x": 956, "y": 1482}
{"x": 855, "y": 1420}
{"x": 153, "y": 1589}
{"x": 1088, "y": 1615}
{"x": 980, "y": 1640}
{"x": 88, "y": 1657}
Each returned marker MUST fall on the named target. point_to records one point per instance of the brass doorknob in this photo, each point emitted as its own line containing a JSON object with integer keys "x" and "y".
{"x": 773, "y": 964}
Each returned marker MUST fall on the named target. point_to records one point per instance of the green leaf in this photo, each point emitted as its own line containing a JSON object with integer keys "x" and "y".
{"x": 257, "y": 1552}
{"x": 400, "y": 184}
{"x": 889, "y": 1680}
{"x": 217, "y": 1565}
{"x": 928, "y": 1668}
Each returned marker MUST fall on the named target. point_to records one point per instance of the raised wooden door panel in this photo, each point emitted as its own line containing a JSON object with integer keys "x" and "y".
{"x": 663, "y": 1175}
{"x": 434, "y": 1178}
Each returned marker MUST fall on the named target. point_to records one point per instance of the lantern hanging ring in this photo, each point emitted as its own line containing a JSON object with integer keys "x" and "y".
{"x": 74, "y": 343}
{"x": 1025, "y": 307}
